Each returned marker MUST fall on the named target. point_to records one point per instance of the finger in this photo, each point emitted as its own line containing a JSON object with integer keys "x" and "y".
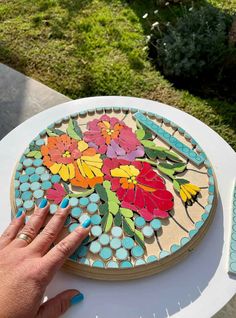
{"x": 12, "y": 230}
{"x": 55, "y": 258}
{"x": 43, "y": 242}
{"x": 58, "y": 305}
{"x": 35, "y": 223}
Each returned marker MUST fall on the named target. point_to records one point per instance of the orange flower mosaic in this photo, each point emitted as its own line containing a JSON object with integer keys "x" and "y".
{"x": 73, "y": 160}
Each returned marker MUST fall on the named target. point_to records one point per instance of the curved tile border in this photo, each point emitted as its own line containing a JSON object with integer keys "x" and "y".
{"x": 197, "y": 157}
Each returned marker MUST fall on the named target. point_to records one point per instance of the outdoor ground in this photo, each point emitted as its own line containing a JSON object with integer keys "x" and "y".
{"x": 96, "y": 47}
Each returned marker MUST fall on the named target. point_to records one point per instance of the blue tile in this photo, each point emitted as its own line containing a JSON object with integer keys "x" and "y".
{"x": 171, "y": 140}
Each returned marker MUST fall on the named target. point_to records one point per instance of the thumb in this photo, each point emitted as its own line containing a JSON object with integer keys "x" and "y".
{"x": 58, "y": 305}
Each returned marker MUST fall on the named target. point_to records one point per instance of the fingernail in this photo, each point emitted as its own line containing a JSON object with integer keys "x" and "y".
{"x": 86, "y": 223}
{"x": 19, "y": 213}
{"x": 64, "y": 203}
{"x": 76, "y": 299}
{"x": 43, "y": 203}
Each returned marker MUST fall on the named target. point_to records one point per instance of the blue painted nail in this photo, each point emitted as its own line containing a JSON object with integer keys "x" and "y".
{"x": 19, "y": 213}
{"x": 86, "y": 223}
{"x": 64, "y": 203}
{"x": 43, "y": 203}
{"x": 76, "y": 299}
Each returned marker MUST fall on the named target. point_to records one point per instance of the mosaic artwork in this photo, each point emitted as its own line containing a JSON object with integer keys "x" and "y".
{"x": 145, "y": 183}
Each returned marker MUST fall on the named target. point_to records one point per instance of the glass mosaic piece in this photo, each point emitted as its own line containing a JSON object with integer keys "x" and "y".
{"x": 137, "y": 251}
{"x": 121, "y": 254}
{"x": 112, "y": 264}
{"x": 105, "y": 253}
{"x": 128, "y": 243}
{"x": 126, "y": 264}
{"x": 95, "y": 247}
{"x": 73, "y": 226}
{"x": 115, "y": 243}
{"x": 104, "y": 239}
{"x": 96, "y": 230}
{"x": 76, "y": 212}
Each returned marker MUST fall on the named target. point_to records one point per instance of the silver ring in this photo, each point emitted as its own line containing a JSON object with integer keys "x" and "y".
{"x": 24, "y": 237}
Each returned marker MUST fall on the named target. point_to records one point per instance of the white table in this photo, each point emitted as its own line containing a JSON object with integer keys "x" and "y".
{"x": 199, "y": 286}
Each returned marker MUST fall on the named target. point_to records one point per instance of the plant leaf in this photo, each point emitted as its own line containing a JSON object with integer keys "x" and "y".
{"x": 81, "y": 194}
{"x": 109, "y": 223}
{"x": 107, "y": 184}
{"x": 139, "y": 242}
{"x": 34, "y": 154}
{"x": 149, "y": 144}
{"x": 113, "y": 207}
{"x": 130, "y": 223}
{"x": 104, "y": 221}
{"x": 127, "y": 228}
{"x": 112, "y": 196}
{"x": 58, "y": 132}
{"x": 152, "y": 154}
{"x": 154, "y": 151}
{"x": 148, "y": 134}
{"x": 77, "y": 129}
{"x": 172, "y": 156}
{"x": 163, "y": 169}
{"x": 182, "y": 181}
{"x": 176, "y": 185}
{"x": 50, "y": 133}
{"x": 126, "y": 212}
{"x": 103, "y": 208}
{"x": 101, "y": 192}
{"x": 66, "y": 187}
{"x": 140, "y": 134}
{"x": 34, "y": 148}
{"x": 179, "y": 167}
{"x": 38, "y": 155}
{"x": 118, "y": 219}
{"x": 71, "y": 130}
{"x": 139, "y": 234}
{"x": 171, "y": 169}
{"x": 139, "y": 238}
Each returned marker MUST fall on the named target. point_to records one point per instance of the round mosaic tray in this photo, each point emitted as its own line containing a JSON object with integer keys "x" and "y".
{"x": 146, "y": 184}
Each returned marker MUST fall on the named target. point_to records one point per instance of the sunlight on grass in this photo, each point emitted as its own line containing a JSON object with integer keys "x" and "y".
{"x": 95, "y": 47}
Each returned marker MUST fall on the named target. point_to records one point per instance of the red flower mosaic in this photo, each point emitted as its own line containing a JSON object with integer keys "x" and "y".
{"x": 139, "y": 188}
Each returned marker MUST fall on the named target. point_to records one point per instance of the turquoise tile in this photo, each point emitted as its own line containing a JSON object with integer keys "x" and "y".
{"x": 208, "y": 208}
{"x": 184, "y": 241}
{"x": 211, "y": 188}
{"x": 192, "y": 233}
{"x": 112, "y": 264}
{"x": 164, "y": 254}
{"x": 205, "y": 216}
{"x": 126, "y": 264}
{"x": 199, "y": 224}
{"x": 174, "y": 248}
{"x": 99, "y": 264}
{"x": 171, "y": 140}
{"x": 151, "y": 259}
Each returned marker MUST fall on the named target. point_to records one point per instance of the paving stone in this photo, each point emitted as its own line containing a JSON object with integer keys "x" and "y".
{"x": 22, "y": 97}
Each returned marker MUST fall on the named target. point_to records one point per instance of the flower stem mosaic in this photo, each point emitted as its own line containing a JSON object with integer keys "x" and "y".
{"x": 133, "y": 175}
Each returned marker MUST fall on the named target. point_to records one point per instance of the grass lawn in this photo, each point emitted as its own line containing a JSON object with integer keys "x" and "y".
{"x": 95, "y": 47}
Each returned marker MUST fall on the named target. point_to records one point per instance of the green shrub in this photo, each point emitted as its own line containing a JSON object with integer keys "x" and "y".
{"x": 195, "y": 44}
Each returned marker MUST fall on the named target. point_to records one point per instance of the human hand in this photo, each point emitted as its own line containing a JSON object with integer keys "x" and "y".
{"x": 28, "y": 266}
